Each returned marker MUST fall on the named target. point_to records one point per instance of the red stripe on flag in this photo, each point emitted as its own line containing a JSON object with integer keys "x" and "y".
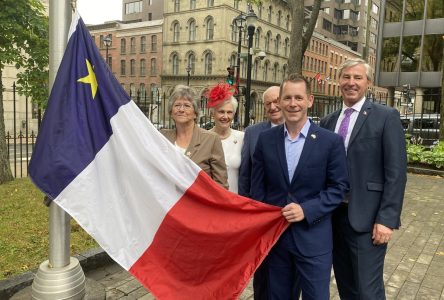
{"x": 209, "y": 244}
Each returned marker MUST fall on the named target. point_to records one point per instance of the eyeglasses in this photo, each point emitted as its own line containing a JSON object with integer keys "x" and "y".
{"x": 185, "y": 106}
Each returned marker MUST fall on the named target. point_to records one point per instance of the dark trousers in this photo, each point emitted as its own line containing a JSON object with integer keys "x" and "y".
{"x": 284, "y": 274}
{"x": 358, "y": 264}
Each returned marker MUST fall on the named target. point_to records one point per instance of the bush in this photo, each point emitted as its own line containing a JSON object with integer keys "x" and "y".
{"x": 433, "y": 156}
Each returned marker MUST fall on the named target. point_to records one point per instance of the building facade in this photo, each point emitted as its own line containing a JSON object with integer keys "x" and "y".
{"x": 411, "y": 54}
{"x": 143, "y": 10}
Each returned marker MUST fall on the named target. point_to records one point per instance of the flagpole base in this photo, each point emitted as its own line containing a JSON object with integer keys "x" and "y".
{"x": 59, "y": 283}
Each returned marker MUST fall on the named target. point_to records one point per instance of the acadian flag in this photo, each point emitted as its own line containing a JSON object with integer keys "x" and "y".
{"x": 148, "y": 206}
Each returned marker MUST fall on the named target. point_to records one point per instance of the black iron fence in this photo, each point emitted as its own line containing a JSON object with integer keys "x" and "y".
{"x": 20, "y": 143}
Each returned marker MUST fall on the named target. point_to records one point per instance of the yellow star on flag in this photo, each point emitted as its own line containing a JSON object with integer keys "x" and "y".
{"x": 90, "y": 78}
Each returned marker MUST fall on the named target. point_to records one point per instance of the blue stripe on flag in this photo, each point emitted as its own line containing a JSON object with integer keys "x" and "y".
{"x": 75, "y": 125}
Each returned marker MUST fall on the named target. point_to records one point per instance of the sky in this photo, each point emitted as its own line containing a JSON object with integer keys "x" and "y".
{"x": 99, "y": 11}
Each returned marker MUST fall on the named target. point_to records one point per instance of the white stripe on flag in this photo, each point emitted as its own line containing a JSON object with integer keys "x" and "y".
{"x": 124, "y": 194}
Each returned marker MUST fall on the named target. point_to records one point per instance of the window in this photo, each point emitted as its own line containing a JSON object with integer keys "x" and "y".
{"x": 236, "y": 4}
{"x": 153, "y": 67}
{"x": 275, "y": 71}
{"x": 154, "y": 43}
{"x": 277, "y": 43}
{"x": 326, "y": 25}
{"x": 122, "y": 67}
{"x": 284, "y": 71}
{"x": 265, "y": 71}
{"x": 101, "y": 43}
{"x": 234, "y": 33}
{"x": 142, "y": 44}
{"x": 279, "y": 16}
{"x": 133, "y": 45}
{"x": 176, "y": 5}
{"x": 255, "y": 69}
{"x": 267, "y": 41}
{"x": 175, "y": 64}
{"x": 286, "y": 46}
{"x": 375, "y": 8}
{"x": 373, "y": 23}
{"x": 132, "y": 67}
{"x": 192, "y": 31}
{"x": 133, "y": 7}
{"x": 233, "y": 60}
{"x": 142, "y": 92}
{"x": 257, "y": 38}
{"x": 132, "y": 91}
{"x": 372, "y": 38}
{"x": 270, "y": 11}
{"x": 210, "y": 28}
{"x": 208, "y": 63}
{"x": 122, "y": 46}
{"x": 210, "y": 3}
{"x": 150, "y": 16}
{"x": 110, "y": 63}
{"x": 287, "y": 22}
{"x": 192, "y": 63}
{"x": 259, "y": 10}
{"x": 176, "y": 32}
{"x": 192, "y": 4}
{"x": 142, "y": 67}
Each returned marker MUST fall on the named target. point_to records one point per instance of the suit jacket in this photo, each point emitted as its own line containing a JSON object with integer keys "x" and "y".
{"x": 318, "y": 185}
{"x": 250, "y": 139}
{"x": 205, "y": 149}
{"x": 377, "y": 166}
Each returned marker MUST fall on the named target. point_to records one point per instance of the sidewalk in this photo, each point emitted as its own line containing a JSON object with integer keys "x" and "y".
{"x": 414, "y": 267}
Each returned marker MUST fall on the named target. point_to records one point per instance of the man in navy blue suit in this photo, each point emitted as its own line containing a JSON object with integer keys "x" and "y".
{"x": 302, "y": 168}
{"x": 274, "y": 116}
{"x": 377, "y": 167}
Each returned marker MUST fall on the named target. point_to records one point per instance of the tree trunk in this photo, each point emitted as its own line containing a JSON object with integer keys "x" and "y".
{"x": 299, "y": 40}
{"x": 5, "y": 171}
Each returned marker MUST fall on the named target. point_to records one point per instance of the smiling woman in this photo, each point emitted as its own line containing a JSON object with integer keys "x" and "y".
{"x": 99, "y": 11}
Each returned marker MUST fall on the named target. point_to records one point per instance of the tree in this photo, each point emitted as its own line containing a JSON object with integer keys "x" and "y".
{"x": 300, "y": 34}
{"x": 23, "y": 31}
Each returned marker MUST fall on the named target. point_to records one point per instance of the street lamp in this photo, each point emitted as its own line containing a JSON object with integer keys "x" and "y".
{"x": 107, "y": 42}
{"x": 239, "y": 20}
{"x": 188, "y": 68}
{"x": 251, "y": 19}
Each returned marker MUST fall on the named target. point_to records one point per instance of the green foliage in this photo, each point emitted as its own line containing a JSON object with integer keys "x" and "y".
{"x": 24, "y": 43}
{"x": 420, "y": 154}
{"x": 24, "y": 229}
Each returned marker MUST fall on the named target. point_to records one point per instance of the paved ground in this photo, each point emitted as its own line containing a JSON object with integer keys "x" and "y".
{"x": 414, "y": 267}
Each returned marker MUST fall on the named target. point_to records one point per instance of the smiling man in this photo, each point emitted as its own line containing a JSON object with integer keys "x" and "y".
{"x": 376, "y": 158}
{"x": 300, "y": 167}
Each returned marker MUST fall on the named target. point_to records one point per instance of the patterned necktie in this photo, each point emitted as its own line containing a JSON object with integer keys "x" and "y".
{"x": 343, "y": 128}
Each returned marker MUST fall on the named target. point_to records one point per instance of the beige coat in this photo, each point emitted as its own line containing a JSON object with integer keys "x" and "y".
{"x": 205, "y": 149}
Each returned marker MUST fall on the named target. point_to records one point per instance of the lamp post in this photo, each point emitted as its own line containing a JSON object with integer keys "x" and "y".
{"x": 188, "y": 68}
{"x": 239, "y": 20}
{"x": 107, "y": 42}
{"x": 251, "y": 19}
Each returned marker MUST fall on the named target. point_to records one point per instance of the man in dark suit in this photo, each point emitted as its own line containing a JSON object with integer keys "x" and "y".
{"x": 274, "y": 116}
{"x": 377, "y": 163}
{"x": 302, "y": 168}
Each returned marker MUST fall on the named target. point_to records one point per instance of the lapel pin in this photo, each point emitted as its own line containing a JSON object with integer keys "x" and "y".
{"x": 365, "y": 112}
{"x": 235, "y": 141}
{"x": 188, "y": 153}
{"x": 313, "y": 136}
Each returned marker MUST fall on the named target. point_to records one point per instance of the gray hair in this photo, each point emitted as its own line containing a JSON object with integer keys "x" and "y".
{"x": 187, "y": 93}
{"x": 351, "y": 62}
{"x": 233, "y": 102}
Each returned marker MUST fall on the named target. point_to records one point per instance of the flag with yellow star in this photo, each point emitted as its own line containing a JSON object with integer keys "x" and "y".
{"x": 152, "y": 209}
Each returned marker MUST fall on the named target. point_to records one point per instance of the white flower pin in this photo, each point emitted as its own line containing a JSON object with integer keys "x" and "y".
{"x": 313, "y": 136}
{"x": 188, "y": 153}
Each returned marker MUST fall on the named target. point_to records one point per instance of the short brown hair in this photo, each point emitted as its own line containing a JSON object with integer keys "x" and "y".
{"x": 295, "y": 78}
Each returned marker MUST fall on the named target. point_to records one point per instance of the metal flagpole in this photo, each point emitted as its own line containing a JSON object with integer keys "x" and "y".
{"x": 60, "y": 277}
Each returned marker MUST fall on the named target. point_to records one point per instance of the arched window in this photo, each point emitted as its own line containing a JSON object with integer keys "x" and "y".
{"x": 175, "y": 64}
{"x": 284, "y": 71}
{"x": 233, "y": 60}
{"x": 192, "y": 31}
{"x": 133, "y": 45}
{"x": 286, "y": 44}
{"x": 153, "y": 66}
{"x": 154, "y": 43}
{"x": 259, "y": 10}
{"x": 257, "y": 38}
{"x": 122, "y": 46}
{"x": 210, "y": 28}
{"x": 255, "y": 69}
{"x": 192, "y": 63}
{"x": 287, "y": 22}
{"x": 132, "y": 91}
{"x": 132, "y": 67}
{"x": 142, "y": 92}
{"x": 192, "y": 4}
{"x": 277, "y": 43}
{"x": 208, "y": 63}
{"x": 142, "y": 44}
{"x": 267, "y": 41}
{"x": 275, "y": 72}
{"x": 270, "y": 11}
{"x": 122, "y": 67}
{"x": 142, "y": 67}
{"x": 234, "y": 32}
{"x": 176, "y": 32}
{"x": 265, "y": 71}
{"x": 279, "y": 16}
